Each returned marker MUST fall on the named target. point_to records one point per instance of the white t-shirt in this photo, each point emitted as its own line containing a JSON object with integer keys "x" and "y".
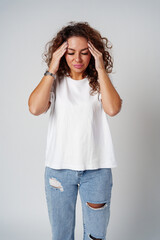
{"x": 78, "y": 137}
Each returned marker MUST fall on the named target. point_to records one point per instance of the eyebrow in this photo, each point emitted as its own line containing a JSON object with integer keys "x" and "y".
{"x": 81, "y": 49}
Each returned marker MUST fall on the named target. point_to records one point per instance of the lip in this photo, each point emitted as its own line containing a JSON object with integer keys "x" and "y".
{"x": 78, "y": 65}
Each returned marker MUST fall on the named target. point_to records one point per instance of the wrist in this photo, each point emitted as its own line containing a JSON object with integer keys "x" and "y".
{"x": 51, "y": 71}
{"x": 48, "y": 73}
{"x": 101, "y": 70}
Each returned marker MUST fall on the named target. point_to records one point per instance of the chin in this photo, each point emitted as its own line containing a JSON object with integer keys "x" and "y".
{"x": 78, "y": 70}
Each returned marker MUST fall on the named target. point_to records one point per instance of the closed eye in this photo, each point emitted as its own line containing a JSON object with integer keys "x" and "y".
{"x": 81, "y": 53}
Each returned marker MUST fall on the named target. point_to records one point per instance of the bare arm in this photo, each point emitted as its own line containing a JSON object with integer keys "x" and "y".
{"x": 111, "y": 100}
{"x": 38, "y": 101}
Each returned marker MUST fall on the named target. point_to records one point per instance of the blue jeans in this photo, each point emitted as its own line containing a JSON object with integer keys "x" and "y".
{"x": 61, "y": 188}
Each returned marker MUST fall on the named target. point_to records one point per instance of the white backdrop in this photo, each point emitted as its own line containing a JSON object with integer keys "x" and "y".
{"x": 133, "y": 29}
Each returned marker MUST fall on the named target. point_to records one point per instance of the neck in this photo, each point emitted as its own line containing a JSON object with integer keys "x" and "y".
{"x": 76, "y": 76}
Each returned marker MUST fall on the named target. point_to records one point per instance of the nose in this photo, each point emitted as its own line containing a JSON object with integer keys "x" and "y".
{"x": 78, "y": 58}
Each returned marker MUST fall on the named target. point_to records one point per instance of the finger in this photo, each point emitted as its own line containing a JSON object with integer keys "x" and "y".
{"x": 64, "y": 45}
{"x": 61, "y": 48}
{"x": 61, "y": 53}
{"x": 91, "y": 44}
{"x": 93, "y": 48}
{"x": 92, "y": 51}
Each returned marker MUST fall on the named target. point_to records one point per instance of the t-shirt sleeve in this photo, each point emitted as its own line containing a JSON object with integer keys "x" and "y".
{"x": 99, "y": 94}
{"x": 52, "y": 92}
{"x": 52, "y": 95}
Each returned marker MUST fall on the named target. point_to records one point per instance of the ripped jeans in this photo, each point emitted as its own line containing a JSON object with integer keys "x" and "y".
{"x": 61, "y": 188}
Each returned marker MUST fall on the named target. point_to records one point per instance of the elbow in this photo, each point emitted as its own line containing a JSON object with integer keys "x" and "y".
{"x": 32, "y": 108}
{"x": 33, "y": 111}
{"x": 114, "y": 110}
{"x": 113, "y": 113}
{"x": 38, "y": 111}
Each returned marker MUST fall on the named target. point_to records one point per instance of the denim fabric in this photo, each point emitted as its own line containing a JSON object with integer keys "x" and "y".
{"x": 61, "y": 188}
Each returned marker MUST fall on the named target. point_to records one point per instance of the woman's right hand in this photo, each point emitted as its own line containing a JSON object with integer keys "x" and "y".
{"x": 56, "y": 57}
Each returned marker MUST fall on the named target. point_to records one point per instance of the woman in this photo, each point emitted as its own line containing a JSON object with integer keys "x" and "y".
{"x": 79, "y": 151}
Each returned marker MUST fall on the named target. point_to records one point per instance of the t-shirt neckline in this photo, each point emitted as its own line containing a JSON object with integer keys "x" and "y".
{"x": 77, "y": 80}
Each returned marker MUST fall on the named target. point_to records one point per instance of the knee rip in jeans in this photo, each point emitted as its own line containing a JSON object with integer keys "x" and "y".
{"x": 91, "y": 237}
{"x": 56, "y": 184}
{"x": 96, "y": 206}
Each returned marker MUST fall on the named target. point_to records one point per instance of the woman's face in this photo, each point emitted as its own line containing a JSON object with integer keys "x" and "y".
{"x": 77, "y": 56}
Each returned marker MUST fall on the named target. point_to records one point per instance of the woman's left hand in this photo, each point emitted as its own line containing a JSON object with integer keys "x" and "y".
{"x": 99, "y": 64}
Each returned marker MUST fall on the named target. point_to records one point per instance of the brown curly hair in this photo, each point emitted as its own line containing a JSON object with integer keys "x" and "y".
{"x": 81, "y": 29}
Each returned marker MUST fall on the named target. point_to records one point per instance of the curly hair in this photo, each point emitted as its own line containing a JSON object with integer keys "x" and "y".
{"x": 81, "y": 29}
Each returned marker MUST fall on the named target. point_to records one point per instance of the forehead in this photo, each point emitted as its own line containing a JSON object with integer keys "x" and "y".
{"x": 77, "y": 42}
